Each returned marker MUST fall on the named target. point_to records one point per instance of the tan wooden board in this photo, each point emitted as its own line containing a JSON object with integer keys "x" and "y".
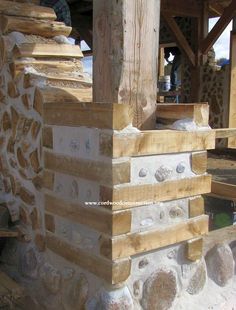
{"x": 107, "y": 173}
{"x": 168, "y": 113}
{"x": 107, "y": 116}
{"x": 39, "y": 50}
{"x": 196, "y": 207}
{"x": 95, "y": 217}
{"x": 156, "y": 142}
{"x": 26, "y": 10}
{"x": 111, "y": 272}
{"x": 7, "y": 233}
{"x": 199, "y": 162}
{"x": 44, "y": 28}
{"x": 194, "y": 249}
{"x": 48, "y": 137}
{"x": 138, "y": 195}
{"x": 140, "y": 242}
{"x": 225, "y": 190}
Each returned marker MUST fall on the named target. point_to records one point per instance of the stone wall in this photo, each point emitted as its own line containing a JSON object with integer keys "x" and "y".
{"x": 108, "y": 217}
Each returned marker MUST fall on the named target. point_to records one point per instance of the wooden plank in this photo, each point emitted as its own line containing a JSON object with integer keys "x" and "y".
{"x": 232, "y": 88}
{"x": 39, "y": 50}
{"x": 11, "y": 287}
{"x": 44, "y": 28}
{"x": 131, "y": 196}
{"x": 222, "y": 133}
{"x": 112, "y": 272}
{"x": 219, "y": 27}
{"x": 122, "y": 34}
{"x": 179, "y": 38}
{"x": 48, "y": 137}
{"x": 63, "y": 95}
{"x": 194, "y": 249}
{"x": 48, "y": 179}
{"x": 156, "y": 142}
{"x": 96, "y": 218}
{"x": 50, "y": 222}
{"x": 223, "y": 189}
{"x": 199, "y": 162}
{"x": 26, "y": 10}
{"x": 141, "y": 242}
{"x": 180, "y": 8}
{"x": 103, "y": 172}
{"x": 45, "y": 66}
{"x": 168, "y": 113}
{"x": 100, "y": 115}
{"x": 7, "y": 233}
{"x": 196, "y": 207}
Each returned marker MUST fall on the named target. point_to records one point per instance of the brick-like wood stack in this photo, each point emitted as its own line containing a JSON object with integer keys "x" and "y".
{"x": 105, "y": 209}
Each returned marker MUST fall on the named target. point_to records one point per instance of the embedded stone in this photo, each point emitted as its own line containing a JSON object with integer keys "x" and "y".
{"x": 27, "y": 196}
{"x": 143, "y": 173}
{"x": 6, "y": 121}
{"x": 78, "y": 293}
{"x": 15, "y": 118}
{"x": 10, "y": 145}
{"x": 34, "y": 160}
{"x": 220, "y": 264}
{"x": 26, "y": 101}
{"x": 21, "y": 159}
{"x": 176, "y": 212}
{"x": 163, "y": 173}
{"x": 24, "y": 215}
{"x": 51, "y": 278}
{"x": 160, "y": 290}
{"x": 143, "y": 263}
{"x": 35, "y": 128}
{"x": 138, "y": 288}
{"x": 12, "y": 91}
{"x": 35, "y": 219}
{"x": 198, "y": 280}
{"x": 181, "y": 167}
{"x": 117, "y": 299}
{"x": 29, "y": 262}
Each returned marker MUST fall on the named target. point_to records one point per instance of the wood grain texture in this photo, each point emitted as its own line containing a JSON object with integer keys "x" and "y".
{"x": 122, "y": 34}
{"x": 112, "y": 272}
{"x": 168, "y": 113}
{"x": 107, "y": 173}
{"x": 222, "y": 133}
{"x": 39, "y": 50}
{"x": 196, "y": 207}
{"x": 153, "y": 193}
{"x": 105, "y": 116}
{"x": 95, "y": 217}
{"x": 194, "y": 249}
{"x": 199, "y": 162}
{"x": 155, "y": 142}
{"x": 26, "y": 10}
{"x": 224, "y": 190}
{"x": 44, "y": 28}
{"x": 232, "y": 90}
{"x": 140, "y": 242}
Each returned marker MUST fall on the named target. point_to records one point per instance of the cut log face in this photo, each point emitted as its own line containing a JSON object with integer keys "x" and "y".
{"x": 47, "y": 29}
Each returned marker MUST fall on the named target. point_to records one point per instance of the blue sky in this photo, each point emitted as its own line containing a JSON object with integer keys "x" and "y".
{"x": 221, "y": 47}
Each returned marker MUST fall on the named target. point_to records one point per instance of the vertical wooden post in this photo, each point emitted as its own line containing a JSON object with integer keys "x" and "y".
{"x": 232, "y": 88}
{"x": 126, "y": 37}
{"x": 201, "y": 31}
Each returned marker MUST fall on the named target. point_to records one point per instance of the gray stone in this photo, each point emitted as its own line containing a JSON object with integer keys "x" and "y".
{"x": 198, "y": 280}
{"x": 119, "y": 299}
{"x": 163, "y": 173}
{"x": 143, "y": 263}
{"x": 176, "y": 212}
{"x": 143, "y": 173}
{"x": 181, "y": 167}
{"x": 160, "y": 290}
{"x": 51, "y": 278}
{"x": 137, "y": 288}
{"x": 29, "y": 262}
{"x": 77, "y": 294}
{"x": 220, "y": 264}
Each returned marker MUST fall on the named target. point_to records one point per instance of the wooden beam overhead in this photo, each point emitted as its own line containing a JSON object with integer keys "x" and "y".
{"x": 179, "y": 37}
{"x": 180, "y": 8}
{"x": 216, "y": 8}
{"x": 219, "y": 27}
